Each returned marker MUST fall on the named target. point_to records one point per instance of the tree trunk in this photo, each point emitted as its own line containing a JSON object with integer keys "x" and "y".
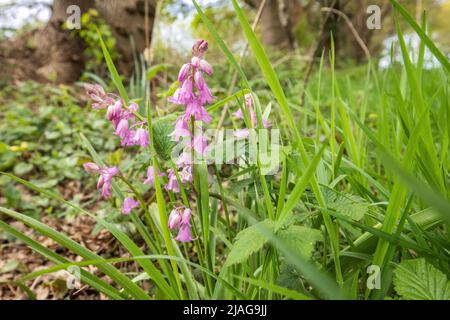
{"x": 60, "y": 51}
{"x": 55, "y": 54}
{"x": 127, "y": 20}
{"x": 276, "y": 28}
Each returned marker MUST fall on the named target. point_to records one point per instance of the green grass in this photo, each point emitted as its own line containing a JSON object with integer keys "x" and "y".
{"x": 363, "y": 180}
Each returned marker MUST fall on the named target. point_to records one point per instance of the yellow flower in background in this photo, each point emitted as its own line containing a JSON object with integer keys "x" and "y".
{"x": 22, "y": 147}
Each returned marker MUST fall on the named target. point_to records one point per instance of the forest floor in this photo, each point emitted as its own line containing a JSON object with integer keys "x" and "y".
{"x": 18, "y": 260}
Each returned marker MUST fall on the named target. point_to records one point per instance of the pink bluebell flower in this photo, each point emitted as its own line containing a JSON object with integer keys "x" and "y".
{"x": 184, "y": 72}
{"x": 175, "y": 219}
{"x": 128, "y": 205}
{"x": 200, "y": 143}
{"x": 199, "y": 48}
{"x": 114, "y": 111}
{"x": 151, "y": 175}
{"x": 197, "y": 110}
{"x": 186, "y": 175}
{"x": 186, "y": 217}
{"x": 184, "y": 234}
{"x": 91, "y": 167}
{"x": 180, "y": 218}
{"x": 104, "y": 182}
{"x": 206, "y": 67}
{"x": 239, "y": 114}
{"x": 106, "y": 176}
{"x": 204, "y": 94}
{"x": 181, "y": 129}
{"x": 173, "y": 182}
{"x": 122, "y": 129}
{"x": 141, "y": 137}
{"x": 185, "y": 159}
{"x": 99, "y": 98}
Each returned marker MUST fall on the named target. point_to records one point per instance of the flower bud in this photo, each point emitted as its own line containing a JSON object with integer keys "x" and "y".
{"x": 199, "y": 48}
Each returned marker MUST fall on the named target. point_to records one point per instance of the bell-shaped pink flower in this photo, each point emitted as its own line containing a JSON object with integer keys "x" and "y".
{"x": 198, "y": 111}
{"x": 184, "y": 72}
{"x": 195, "y": 62}
{"x": 206, "y": 67}
{"x": 128, "y": 205}
{"x": 151, "y": 175}
{"x": 239, "y": 114}
{"x": 199, "y": 48}
{"x": 104, "y": 181}
{"x": 114, "y": 110}
{"x": 183, "y": 95}
{"x": 173, "y": 182}
{"x": 185, "y": 159}
{"x": 186, "y": 217}
{"x": 174, "y": 219}
{"x": 141, "y": 137}
{"x": 181, "y": 129}
{"x": 128, "y": 138}
{"x": 240, "y": 134}
{"x": 99, "y": 98}
{"x": 184, "y": 234}
{"x": 199, "y": 80}
{"x": 91, "y": 167}
{"x": 186, "y": 175}
{"x": 122, "y": 129}
{"x": 200, "y": 143}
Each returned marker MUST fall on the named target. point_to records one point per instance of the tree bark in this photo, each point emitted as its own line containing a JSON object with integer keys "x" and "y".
{"x": 57, "y": 55}
{"x": 60, "y": 51}
{"x": 276, "y": 31}
{"x": 127, "y": 20}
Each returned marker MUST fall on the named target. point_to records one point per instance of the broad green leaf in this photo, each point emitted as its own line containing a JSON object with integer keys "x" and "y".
{"x": 22, "y": 168}
{"x": 301, "y": 239}
{"x": 249, "y": 241}
{"x": 348, "y": 205}
{"x": 419, "y": 280}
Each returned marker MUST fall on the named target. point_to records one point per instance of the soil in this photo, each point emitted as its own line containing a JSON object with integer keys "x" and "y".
{"x": 18, "y": 260}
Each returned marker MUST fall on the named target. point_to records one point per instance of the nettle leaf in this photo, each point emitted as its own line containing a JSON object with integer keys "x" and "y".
{"x": 290, "y": 278}
{"x": 249, "y": 241}
{"x": 346, "y": 204}
{"x": 418, "y": 280}
{"x": 301, "y": 239}
{"x": 161, "y": 141}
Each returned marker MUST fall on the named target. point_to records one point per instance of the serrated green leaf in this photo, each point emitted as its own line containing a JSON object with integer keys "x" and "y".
{"x": 419, "y": 280}
{"x": 249, "y": 241}
{"x": 161, "y": 141}
{"x": 301, "y": 239}
{"x": 348, "y": 205}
